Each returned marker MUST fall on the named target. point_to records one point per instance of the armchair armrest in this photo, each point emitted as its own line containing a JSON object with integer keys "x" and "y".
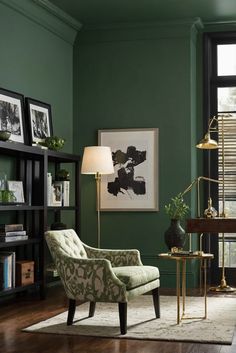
{"x": 90, "y": 279}
{"x": 116, "y": 257}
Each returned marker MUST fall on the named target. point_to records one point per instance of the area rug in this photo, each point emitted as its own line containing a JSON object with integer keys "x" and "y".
{"x": 217, "y": 328}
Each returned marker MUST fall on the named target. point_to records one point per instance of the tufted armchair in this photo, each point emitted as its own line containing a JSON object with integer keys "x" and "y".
{"x": 99, "y": 275}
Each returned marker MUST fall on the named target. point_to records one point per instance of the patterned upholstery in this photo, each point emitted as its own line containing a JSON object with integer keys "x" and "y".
{"x": 99, "y": 275}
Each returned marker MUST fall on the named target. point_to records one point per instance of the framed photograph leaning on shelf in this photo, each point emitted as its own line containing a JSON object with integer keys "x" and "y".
{"x": 40, "y": 120}
{"x": 17, "y": 188}
{"x": 12, "y": 114}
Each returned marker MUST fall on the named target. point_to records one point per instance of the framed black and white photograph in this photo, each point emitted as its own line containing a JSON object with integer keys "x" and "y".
{"x": 56, "y": 190}
{"x": 17, "y": 188}
{"x": 134, "y": 185}
{"x": 12, "y": 114}
{"x": 40, "y": 120}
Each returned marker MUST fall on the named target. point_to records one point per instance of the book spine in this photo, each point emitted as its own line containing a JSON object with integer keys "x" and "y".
{"x": 66, "y": 193}
{"x": 13, "y": 238}
{"x": 10, "y": 234}
{"x": 11, "y": 227}
{"x": 49, "y": 189}
{"x": 6, "y": 272}
{"x": 13, "y": 269}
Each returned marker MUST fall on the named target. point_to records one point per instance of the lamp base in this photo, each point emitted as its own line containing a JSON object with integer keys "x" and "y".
{"x": 223, "y": 287}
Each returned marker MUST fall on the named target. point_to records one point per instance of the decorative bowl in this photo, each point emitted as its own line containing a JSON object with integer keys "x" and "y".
{"x": 4, "y": 135}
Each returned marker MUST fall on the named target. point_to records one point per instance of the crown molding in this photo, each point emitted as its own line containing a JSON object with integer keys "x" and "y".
{"x": 183, "y": 28}
{"x": 197, "y": 22}
{"x": 47, "y": 16}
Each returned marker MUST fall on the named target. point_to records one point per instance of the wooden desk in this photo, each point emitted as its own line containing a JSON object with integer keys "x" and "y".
{"x": 211, "y": 225}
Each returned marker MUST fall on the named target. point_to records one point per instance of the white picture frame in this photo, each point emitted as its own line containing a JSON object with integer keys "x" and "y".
{"x": 17, "y": 188}
{"x": 134, "y": 186}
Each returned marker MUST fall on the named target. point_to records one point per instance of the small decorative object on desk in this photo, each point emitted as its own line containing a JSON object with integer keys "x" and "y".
{"x": 175, "y": 235}
{"x": 210, "y": 212}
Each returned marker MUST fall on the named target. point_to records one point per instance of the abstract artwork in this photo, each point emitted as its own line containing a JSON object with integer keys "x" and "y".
{"x": 133, "y": 186}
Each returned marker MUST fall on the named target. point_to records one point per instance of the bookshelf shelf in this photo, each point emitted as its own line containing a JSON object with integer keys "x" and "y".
{"x": 9, "y": 291}
{"x": 32, "y": 165}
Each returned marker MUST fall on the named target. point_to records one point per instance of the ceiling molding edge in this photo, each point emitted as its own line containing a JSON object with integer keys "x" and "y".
{"x": 56, "y": 11}
{"x": 197, "y": 22}
{"x": 47, "y": 16}
{"x": 216, "y": 23}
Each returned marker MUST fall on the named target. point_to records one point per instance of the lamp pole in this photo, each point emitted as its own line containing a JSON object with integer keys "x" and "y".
{"x": 97, "y": 160}
{"x": 98, "y": 187}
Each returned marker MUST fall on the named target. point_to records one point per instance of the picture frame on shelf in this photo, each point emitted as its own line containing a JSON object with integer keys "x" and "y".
{"x": 56, "y": 197}
{"x": 12, "y": 117}
{"x": 40, "y": 120}
{"x": 134, "y": 186}
{"x": 17, "y": 188}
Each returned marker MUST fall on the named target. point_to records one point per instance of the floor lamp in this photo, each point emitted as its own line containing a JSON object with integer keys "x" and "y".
{"x": 97, "y": 160}
{"x": 208, "y": 143}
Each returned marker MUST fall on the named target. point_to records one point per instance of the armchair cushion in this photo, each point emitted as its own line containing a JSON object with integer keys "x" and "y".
{"x": 67, "y": 243}
{"x": 136, "y": 276}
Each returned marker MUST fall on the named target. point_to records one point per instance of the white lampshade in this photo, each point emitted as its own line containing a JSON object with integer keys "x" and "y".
{"x": 97, "y": 159}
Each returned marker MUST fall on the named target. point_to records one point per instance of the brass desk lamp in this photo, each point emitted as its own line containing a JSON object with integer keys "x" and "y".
{"x": 208, "y": 143}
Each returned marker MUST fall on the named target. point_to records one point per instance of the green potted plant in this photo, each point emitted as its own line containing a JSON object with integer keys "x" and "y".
{"x": 175, "y": 235}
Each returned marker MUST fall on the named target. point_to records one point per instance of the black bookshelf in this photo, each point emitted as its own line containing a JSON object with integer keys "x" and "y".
{"x": 32, "y": 166}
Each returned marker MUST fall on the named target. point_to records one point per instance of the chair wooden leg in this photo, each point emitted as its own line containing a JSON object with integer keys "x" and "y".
{"x": 156, "y": 301}
{"x": 92, "y": 307}
{"x": 123, "y": 317}
{"x": 71, "y": 311}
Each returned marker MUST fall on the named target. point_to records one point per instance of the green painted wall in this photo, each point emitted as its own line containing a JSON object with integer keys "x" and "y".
{"x": 37, "y": 63}
{"x": 138, "y": 78}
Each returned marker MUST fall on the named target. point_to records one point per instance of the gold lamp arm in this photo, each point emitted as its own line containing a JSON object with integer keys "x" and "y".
{"x": 197, "y": 181}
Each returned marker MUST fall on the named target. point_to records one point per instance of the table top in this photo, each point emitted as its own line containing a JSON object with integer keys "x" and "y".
{"x": 179, "y": 256}
{"x": 211, "y": 225}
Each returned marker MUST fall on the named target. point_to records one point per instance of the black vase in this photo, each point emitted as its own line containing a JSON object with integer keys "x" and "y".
{"x": 175, "y": 235}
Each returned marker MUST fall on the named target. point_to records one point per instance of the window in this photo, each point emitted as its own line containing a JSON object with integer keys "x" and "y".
{"x": 220, "y": 98}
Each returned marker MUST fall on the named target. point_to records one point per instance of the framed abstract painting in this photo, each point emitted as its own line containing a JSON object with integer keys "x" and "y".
{"x": 134, "y": 185}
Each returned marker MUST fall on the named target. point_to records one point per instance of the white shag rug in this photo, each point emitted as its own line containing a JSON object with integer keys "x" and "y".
{"x": 217, "y": 328}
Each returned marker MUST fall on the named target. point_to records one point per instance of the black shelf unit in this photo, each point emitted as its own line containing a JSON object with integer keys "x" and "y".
{"x": 32, "y": 164}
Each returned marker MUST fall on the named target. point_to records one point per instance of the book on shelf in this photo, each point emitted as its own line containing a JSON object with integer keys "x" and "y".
{"x": 49, "y": 189}
{"x": 13, "y": 233}
{"x": 7, "y": 239}
{"x": 11, "y": 227}
{"x": 7, "y": 269}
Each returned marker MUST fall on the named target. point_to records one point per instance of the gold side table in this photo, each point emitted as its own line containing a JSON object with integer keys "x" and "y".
{"x": 181, "y": 279}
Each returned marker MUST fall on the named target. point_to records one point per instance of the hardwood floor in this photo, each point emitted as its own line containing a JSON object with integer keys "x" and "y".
{"x": 25, "y": 311}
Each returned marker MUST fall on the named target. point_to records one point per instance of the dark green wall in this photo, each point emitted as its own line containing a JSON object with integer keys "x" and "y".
{"x": 38, "y": 64}
{"x": 138, "y": 78}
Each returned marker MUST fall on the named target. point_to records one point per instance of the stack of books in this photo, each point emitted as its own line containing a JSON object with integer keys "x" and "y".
{"x": 12, "y": 232}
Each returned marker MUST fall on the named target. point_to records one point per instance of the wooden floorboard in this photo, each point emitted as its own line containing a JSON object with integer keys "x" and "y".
{"x": 26, "y": 310}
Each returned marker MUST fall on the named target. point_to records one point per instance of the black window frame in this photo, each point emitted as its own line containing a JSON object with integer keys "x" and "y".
{"x": 210, "y": 84}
